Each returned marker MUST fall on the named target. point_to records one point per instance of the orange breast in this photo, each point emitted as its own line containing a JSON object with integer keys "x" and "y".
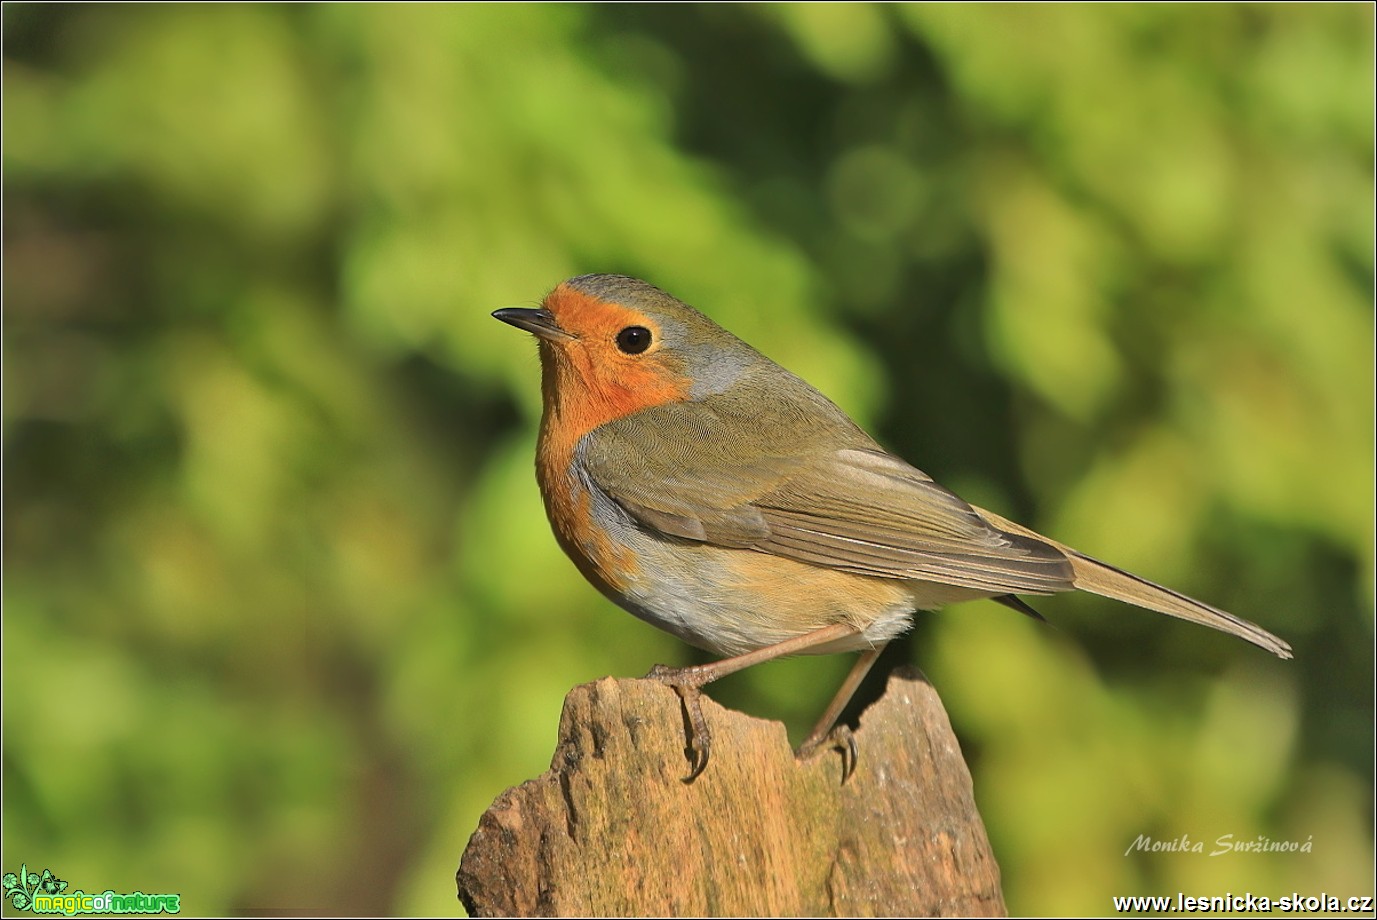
{"x": 568, "y": 504}
{"x": 588, "y": 382}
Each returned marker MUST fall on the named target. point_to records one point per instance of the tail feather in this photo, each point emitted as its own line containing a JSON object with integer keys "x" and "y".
{"x": 1107, "y": 581}
{"x": 1016, "y": 603}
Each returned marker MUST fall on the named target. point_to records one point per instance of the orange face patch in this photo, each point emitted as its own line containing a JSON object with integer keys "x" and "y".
{"x": 589, "y": 380}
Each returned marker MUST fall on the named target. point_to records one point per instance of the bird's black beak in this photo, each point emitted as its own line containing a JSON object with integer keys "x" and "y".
{"x": 540, "y": 323}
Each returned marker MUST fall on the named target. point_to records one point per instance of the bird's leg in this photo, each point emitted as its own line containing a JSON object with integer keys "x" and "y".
{"x": 695, "y": 725}
{"x": 840, "y": 736}
{"x": 688, "y": 681}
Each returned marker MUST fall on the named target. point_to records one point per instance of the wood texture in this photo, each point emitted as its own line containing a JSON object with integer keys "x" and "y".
{"x": 612, "y": 830}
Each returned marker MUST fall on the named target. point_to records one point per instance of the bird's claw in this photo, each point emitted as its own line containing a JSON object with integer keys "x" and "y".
{"x": 840, "y": 739}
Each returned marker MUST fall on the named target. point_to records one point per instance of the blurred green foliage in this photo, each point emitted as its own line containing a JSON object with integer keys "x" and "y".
{"x": 281, "y": 610}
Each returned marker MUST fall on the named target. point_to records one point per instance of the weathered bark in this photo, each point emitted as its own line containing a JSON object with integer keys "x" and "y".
{"x": 612, "y": 829}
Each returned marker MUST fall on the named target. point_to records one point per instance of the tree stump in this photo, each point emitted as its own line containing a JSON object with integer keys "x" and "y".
{"x": 613, "y": 830}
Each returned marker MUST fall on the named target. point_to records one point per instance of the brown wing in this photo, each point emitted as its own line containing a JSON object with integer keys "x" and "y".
{"x": 869, "y": 512}
{"x": 808, "y": 485}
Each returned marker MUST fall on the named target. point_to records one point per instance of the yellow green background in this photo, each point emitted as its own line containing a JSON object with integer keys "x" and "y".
{"x": 282, "y": 614}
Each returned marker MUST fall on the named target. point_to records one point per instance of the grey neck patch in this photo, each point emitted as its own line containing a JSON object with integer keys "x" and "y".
{"x": 725, "y": 370}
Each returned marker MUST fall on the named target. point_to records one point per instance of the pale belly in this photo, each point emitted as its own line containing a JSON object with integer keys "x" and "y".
{"x": 732, "y": 601}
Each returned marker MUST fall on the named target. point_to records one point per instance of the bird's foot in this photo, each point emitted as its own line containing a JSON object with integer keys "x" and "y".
{"x": 686, "y": 682}
{"x": 840, "y": 739}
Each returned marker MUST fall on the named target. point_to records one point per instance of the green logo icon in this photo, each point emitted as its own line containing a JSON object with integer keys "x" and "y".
{"x": 21, "y": 889}
{"x": 47, "y": 894}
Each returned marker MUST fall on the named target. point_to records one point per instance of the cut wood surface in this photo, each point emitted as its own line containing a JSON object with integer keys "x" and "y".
{"x": 612, "y": 829}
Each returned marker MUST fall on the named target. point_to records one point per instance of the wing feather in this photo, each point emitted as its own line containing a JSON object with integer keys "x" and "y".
{"x": 841, "y": 503}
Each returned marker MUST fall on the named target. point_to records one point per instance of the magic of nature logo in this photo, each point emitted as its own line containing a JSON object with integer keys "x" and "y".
{"x": 45, "y": 893}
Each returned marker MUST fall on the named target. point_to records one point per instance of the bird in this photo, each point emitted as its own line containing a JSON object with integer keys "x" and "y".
{"x": 712, "y": 493}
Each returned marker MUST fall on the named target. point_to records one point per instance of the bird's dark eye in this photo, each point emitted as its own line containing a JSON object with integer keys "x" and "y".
{"x": 633, "y": 339}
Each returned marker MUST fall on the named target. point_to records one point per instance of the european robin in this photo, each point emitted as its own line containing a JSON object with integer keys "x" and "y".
{"x": 715, "y": 495}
